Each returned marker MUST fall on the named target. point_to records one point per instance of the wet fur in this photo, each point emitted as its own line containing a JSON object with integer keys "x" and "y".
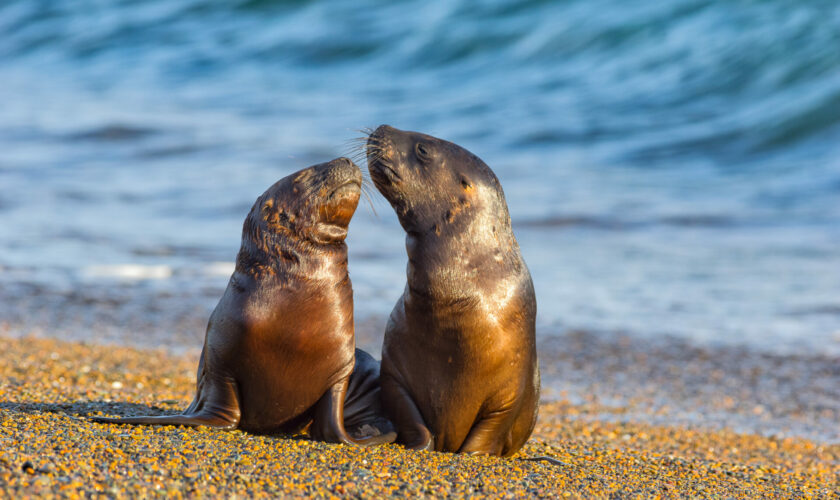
{"x": 459, "y": 364}
{"x": 279, "y": 349}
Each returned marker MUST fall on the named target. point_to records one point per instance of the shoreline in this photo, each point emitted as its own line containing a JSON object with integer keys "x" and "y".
{"x": 50, "y": 384}
{"x": 660, "y": 380}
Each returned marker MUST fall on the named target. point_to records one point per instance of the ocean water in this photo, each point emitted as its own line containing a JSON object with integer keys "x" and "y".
{"x": 672, "y": 168}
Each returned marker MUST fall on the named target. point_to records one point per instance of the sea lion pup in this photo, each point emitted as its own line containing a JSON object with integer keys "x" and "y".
{"x": 279, "y": 349}
{"x": 459, "y": 360}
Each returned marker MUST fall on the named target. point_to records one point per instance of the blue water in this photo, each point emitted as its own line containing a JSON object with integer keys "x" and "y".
{"x": 671, "y": 167}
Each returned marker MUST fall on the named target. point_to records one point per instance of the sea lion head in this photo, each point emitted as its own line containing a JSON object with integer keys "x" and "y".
{"x": 309, "y": 208}
{"x": 431, "y": 183}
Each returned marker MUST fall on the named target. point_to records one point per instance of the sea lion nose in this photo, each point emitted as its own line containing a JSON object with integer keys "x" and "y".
{"x": 379, "y": 141}
{"x": 383, "y": 130}
{"x": 341, "y": 170}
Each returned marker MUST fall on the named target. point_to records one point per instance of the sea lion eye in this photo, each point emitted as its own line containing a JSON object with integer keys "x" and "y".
{"x": 423, "y": 152}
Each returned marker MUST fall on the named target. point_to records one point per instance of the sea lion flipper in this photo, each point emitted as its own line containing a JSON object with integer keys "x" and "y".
{"x": 487, "y": 436}
{"x": 364, "y": 418}
{"x": 328, "y": 421}
{"x": 216, "y": 406}
{"x": 412, "y": 431}
{"x": 184, "y": 419}
{"x": 378, "y": 431}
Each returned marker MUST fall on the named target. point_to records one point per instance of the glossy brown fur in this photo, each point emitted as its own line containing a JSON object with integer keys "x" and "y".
{"x": 279, "y": 349}
{"x": 459, "y": 361}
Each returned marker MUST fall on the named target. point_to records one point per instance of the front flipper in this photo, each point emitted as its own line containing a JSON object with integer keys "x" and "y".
{"x": 489, "y": 435}
{"x": 412, "y": 431}
{"x": 216, "y": 405}
{"x": 328, "y": 420}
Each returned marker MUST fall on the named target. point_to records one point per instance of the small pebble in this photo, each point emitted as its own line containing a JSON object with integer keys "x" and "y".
{"x": 574, "y": 452}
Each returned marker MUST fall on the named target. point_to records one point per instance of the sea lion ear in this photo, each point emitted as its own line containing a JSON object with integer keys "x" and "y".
{"x": 329, "y": 233}
{"x": 278, "y": 220}
{"x": 267, "y": 207}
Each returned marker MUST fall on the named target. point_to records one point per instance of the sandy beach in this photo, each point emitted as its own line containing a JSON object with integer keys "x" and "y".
{"x": 582, "y": 447}
{"x": 671, "y": 171}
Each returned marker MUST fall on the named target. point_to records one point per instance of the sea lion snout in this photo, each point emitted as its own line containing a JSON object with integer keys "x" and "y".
{"x": 382, "y": 148}
{"x": 382, "y": 131}
{"x": 344, "y": 177}
{"x": 403, "y": 157}
{"x": 314, "y": 204}
{"x": 329, "y": 176}
{"x": 344, "y": 169}
{"x": 343, "y": 181}
{"x": 337, "y": 187}
{"x": 428, "y": 181}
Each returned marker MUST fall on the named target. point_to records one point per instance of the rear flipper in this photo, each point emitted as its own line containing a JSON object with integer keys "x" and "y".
{"x": 216, "y": 405}
{"x": 377, "y": 431}
{"x": 363, "y": 414}
{"x": 328, "y": 422}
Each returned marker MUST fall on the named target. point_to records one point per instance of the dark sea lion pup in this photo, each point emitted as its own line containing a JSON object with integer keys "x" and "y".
{"x": 279, "y": 350}
{"x": 459, "y": 359}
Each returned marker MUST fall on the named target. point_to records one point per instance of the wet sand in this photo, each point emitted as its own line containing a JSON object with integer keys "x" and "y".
{"x": 657, "y": 380}
{"x": 583, "y": 447}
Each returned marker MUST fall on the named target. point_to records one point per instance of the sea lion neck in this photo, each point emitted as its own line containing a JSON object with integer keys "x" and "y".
{"x": 287, "y": 258}
{"x": 448, "y": 264}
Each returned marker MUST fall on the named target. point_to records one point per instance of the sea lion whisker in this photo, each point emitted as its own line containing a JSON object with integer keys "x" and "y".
{"x": 372, "y": 153}
{"x": 354, "y": 157}
{"x": 365, "y": 178}
{"x": 363, "y": 139}
{"x": 357, "y": 156}
{"x": 368, "y": 185}
{"x": 357, "y": 152}
{"x": 375, "y": 156}
{"x": 374, "y": 141}
{"x": 370, "y": 201}
{"x": 356, "y": 142}
{"x": 373, "y": 144}
{"x": 367, "y": 190}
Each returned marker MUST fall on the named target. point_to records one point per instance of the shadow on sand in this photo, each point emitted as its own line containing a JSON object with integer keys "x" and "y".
{"x": 88, "y": 408}
{"x": 84, "y": 410}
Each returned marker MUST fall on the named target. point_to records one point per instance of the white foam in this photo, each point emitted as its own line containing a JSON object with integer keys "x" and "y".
{"x": 220, "y": 268}
{"x": 128, "y": 272}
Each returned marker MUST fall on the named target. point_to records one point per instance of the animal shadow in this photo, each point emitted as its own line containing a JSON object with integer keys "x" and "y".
{"x": 83, "y": 410}
{"x": 86, "y": 408}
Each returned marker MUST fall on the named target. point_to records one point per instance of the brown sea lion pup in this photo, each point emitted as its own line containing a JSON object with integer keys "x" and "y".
{"x": 459, "y": 360}
{"x": 279, "y": 350}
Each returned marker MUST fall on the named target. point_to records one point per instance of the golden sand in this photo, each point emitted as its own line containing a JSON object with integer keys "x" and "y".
{"x": 48, "y": 448}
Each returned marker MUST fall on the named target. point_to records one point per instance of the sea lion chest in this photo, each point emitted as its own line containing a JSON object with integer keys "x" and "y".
{"x": 285, "y": 346}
